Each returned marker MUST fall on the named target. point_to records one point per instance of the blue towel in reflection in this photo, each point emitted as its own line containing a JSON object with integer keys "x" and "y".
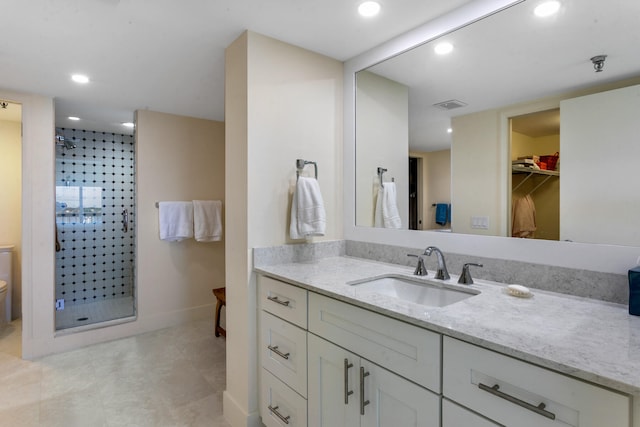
{"x": 449, "y": 213}
{"x": 442, "y": 212}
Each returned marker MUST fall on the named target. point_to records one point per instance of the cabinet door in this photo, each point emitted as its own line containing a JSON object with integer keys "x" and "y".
{"x": 333, "y": 395}
{"x": 394, "y": 401}
{"x": 456, "y": 416}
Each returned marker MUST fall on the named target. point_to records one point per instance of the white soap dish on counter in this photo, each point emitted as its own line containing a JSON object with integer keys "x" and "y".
{"x": 519, "y": 291}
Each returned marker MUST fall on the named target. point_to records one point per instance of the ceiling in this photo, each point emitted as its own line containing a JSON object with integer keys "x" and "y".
{"x": 514, "y": 57}
{"x": 167, "y": 55}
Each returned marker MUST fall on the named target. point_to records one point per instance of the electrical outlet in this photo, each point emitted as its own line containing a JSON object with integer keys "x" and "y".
{"x": 480, "y": 222}
{"x": 59, "y": 304}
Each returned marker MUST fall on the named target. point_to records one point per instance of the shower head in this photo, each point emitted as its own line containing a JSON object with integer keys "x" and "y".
{"x": 65, "y": 143}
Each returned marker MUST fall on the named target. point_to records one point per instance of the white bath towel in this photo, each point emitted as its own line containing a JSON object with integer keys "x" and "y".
{"x": 207, "y": 220}
{"x": 176, "y": 221}
{"x": 308, "y": 217}
{"x": 386, "y": 213}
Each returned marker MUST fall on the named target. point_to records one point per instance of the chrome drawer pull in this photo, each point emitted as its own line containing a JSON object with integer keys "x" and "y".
{"x": 495, "y": 390}
{"x": 363, "y": 402}
{"x": 274, "y": 411}
{"x": 276, "y": 300}
{"x": 347, "y": 392}
{"x": 278, "y": 352}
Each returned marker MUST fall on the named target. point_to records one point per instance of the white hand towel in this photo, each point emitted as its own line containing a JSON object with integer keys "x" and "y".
{"x": 308, "y": 217}
{"x": 207, "y": 220}
{"x": 176, "y": 221}
{"x": 390, "y": 215}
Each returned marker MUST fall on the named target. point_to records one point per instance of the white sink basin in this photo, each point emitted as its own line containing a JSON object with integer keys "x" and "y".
{"x": 415, "y": 291}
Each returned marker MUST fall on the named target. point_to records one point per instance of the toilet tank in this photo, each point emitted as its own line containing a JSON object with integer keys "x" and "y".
{"x": 6, "y": 253}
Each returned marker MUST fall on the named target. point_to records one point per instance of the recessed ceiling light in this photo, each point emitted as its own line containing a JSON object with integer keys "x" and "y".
{"x": 80, "y": 78}
{"x": 128, "y": 124}
{"x": 547, "y": 8}
{"x": 443, "y": 48}
{"x": 369, "y": 8}
{"x": 449, "y": 130}
{"x": 75, "y": 119}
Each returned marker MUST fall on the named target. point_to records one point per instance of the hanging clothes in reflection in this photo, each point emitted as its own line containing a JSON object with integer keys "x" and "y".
{"x": 523, "y": 217}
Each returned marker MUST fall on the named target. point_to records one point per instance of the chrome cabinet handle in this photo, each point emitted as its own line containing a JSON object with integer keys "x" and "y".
{"x": 278, "y": 301}
{"x": 278, "y": 352}
{"x": 125, "y": 220}
{"x": 274, "y": 411}
{"x": 363, "y": 402}
{"x": 495, "y": 390}
{"x": 347, "y": 392}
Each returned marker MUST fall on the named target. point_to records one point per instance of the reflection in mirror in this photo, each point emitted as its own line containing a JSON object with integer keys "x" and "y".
{"x": 510, "y": 64}
{"x": 95, "y": 183}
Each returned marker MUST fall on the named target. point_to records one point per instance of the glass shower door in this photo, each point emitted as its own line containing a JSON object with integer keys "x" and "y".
{"x": 95, "y": 210}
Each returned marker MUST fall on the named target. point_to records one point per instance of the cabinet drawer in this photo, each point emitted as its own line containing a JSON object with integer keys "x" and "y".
{"x": 407, "y": 350}
{"x": 284, "y": 351}
{"x": 471, "y": 373}
{"x": 456, "y": 416}
{"x": 280, "y": 406}
{"x": 283, "y": 300}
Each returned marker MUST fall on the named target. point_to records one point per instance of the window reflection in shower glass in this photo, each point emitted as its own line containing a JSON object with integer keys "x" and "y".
{"x": 78, "y": 205}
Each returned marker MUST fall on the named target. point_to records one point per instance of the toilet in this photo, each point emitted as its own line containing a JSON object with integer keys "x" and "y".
{"x": 3, "y": 297}
{"x": 5, "y": 283}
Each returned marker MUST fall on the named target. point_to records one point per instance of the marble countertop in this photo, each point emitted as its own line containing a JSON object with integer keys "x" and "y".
{"x": 588, "y": 339}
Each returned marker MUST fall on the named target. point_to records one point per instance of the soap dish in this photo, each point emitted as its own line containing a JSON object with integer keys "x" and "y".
{"x": 519, "y": 291}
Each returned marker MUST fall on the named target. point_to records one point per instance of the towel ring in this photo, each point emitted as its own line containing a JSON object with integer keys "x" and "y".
{"x": 300, "y": 164}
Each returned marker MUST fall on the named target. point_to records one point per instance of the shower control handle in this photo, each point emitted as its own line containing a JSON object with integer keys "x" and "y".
{"x": 125, "y": 220}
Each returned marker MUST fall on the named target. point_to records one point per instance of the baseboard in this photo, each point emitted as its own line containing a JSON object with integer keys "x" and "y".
{"x": 237, "y": 416}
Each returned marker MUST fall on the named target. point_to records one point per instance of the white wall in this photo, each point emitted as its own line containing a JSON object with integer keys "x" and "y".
{"x": 282, "y": 103}
{"x": 11, "y": 202}
{"x": 382, "y": 129}
{"x": 600, "y": 152}
{"x": 165, "y": 297}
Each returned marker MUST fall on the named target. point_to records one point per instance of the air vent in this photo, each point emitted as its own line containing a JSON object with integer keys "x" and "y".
{"x": 450, "y": 105}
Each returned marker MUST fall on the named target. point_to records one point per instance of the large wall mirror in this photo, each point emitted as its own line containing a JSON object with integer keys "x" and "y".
{"x": 517, "y": 118}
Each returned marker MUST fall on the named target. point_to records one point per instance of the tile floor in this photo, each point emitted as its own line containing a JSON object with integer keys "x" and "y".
{"x": 172, "y": 377}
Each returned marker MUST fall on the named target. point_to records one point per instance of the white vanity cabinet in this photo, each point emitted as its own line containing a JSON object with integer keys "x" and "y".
{"x": 516, "y": 393}
{"x": 352, "y": 352}
{"x": 283, "y": 353}
{"x": 346, "y": 390}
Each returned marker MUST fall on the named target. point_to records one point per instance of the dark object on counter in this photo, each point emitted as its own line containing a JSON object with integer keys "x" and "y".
{"x": 634, "y": 291}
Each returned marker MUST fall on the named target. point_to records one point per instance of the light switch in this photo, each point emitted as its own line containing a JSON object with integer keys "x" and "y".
{"x": 480, "y": 222}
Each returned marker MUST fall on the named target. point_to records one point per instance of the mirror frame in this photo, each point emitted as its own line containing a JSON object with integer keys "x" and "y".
{"x": 594, "y": 257}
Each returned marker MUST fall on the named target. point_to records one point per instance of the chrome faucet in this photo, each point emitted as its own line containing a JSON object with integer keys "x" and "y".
{"x": 465, "y": 276}
{"x": 420, "y": 270}
{"x": 442, "y": 272}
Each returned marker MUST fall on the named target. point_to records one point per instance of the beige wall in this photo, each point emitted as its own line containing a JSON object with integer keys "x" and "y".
{"x": 282, "y": 103}
{"x": 382, "y": 140}
{"x": 475, "y": 166}
{"x": 436, "y": 185}
{"x": 11, "y": 203}
{"x": 177, "y": 158}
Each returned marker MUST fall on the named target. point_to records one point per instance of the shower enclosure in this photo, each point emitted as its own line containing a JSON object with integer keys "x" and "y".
{"x": 95, "y": 227}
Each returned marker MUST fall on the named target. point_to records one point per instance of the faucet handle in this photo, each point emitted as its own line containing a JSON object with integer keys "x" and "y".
{"x": 420, "y": 270}
{"x": 465, "y": 276}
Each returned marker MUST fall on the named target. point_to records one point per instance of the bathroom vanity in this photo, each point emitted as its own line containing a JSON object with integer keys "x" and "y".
{"x": 333, "y": 353}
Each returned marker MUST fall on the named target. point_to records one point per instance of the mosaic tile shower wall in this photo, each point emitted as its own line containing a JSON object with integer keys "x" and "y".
{"x": 95, "y": 182}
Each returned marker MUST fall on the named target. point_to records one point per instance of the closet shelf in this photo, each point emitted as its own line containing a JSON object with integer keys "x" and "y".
{"x": 530, "y": 172}
{"x": 524, "y": 169}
